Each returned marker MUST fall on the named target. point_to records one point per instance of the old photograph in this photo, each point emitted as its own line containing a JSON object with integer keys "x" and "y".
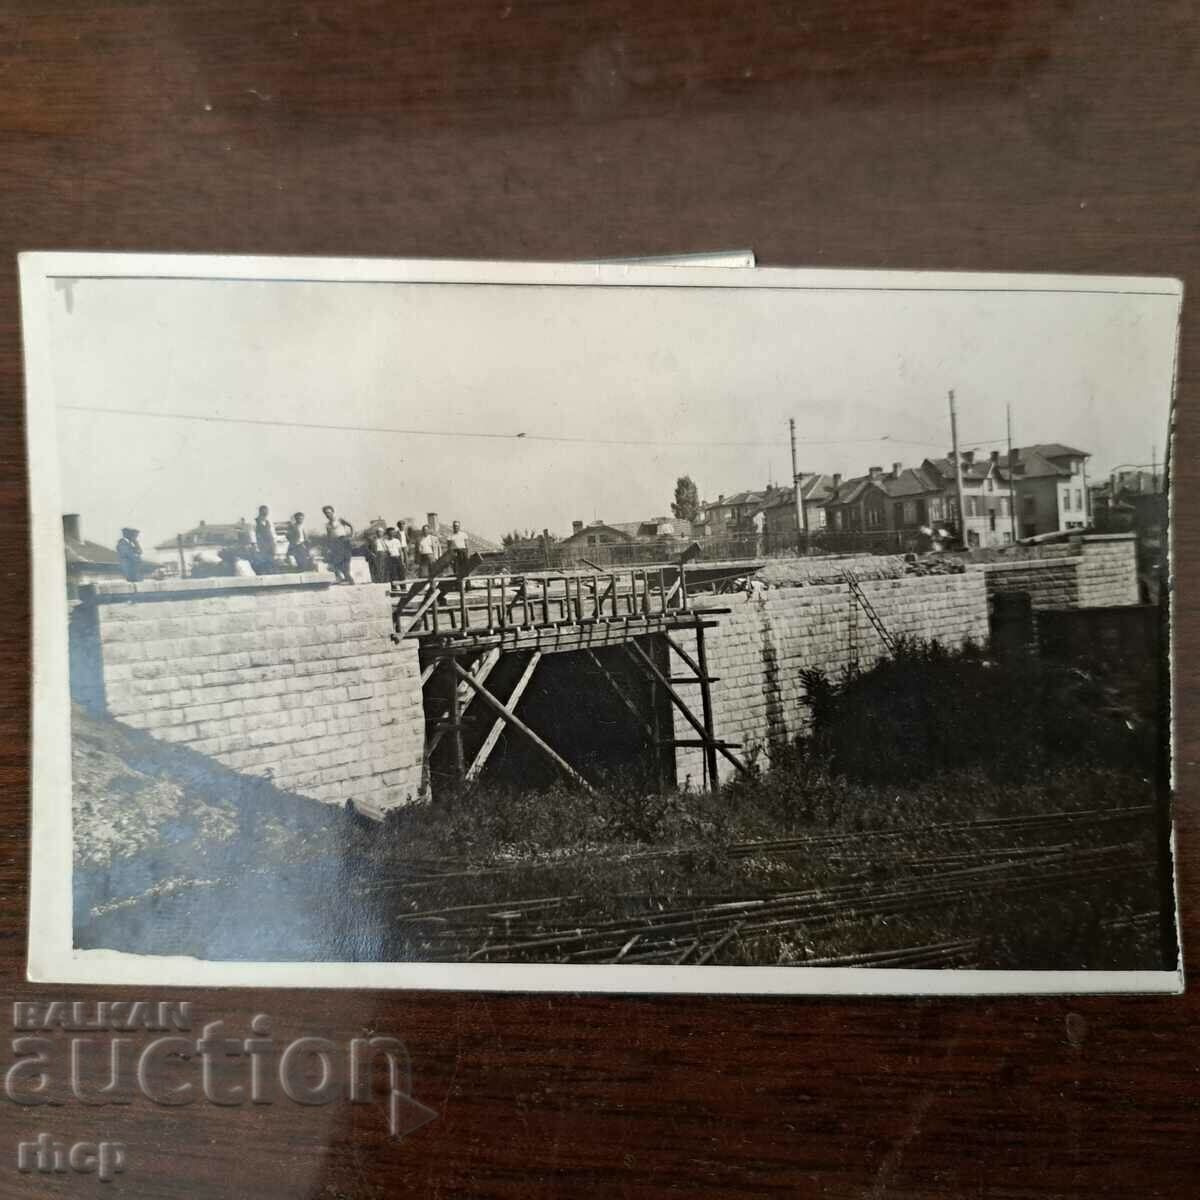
{"x": 615, "y": 627}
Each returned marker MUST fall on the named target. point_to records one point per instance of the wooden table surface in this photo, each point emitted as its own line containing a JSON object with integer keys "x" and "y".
{"x": 1004, "y": 135}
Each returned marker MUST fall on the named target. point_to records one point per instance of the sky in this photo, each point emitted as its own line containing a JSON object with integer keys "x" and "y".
{"x": 532, "y": 406}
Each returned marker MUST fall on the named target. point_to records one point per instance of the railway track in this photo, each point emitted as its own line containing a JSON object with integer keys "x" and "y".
{"x": 1043, "y": 823}
{"x": 701, "y": 934}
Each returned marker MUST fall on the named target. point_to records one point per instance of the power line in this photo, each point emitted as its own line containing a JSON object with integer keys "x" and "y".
{"x": 459, "y": 433}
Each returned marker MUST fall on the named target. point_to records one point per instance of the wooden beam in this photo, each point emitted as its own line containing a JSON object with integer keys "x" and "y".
{"x": 481, "y": 670}
{"x": 621, "y": 694}
{"x": 556, "y": 638}
{"x": 687, "y": 658}
{"x": 710, "y": 751}
{"x": 493, "y": 736}
{"x": 508, "y": 715}
{"x": 431, "y": 597}
{"x": 639, "y": 655}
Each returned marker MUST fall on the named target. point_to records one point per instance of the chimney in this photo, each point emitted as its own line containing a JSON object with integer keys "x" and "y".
{"x": 432, "y": 521}
{"x": 995, "y": 458}
{"x": 721, "y": 498}
{"x": 968, "y": 457}
{"x": 896, "y": 469}
{"x": 71, "y": 527}
{"x": 576, "y": 526}
{"x": 837, "y": 481}
{"x": 876, "y": 472}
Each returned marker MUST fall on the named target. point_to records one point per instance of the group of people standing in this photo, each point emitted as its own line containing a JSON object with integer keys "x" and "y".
{"x": 391, "y": 556}
{"x": 393, "y": 552}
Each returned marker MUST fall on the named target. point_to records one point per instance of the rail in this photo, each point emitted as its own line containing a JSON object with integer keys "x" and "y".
{"x": 480, "y": 604}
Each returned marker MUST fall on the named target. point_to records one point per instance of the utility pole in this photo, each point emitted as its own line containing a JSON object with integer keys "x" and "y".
{"x": 958, "y": 487}
{"x": 1012, "y": 477}
{"x": 801, "y": 515}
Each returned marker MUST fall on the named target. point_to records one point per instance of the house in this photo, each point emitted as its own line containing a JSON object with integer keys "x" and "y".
{"x": 1134, "y": 500}
{"x": 600, "y": 533}
{"x": 1127, "y": 492}
{"x": 733, "y": 516}
{"x": 815, "y": 491}
{"x": 88, "y": 562}
{"x": 1049, "y": 483}
{"x": 987, "y": 496}
{"x": 904, "y": 499}
{"x": 207, "y": 541}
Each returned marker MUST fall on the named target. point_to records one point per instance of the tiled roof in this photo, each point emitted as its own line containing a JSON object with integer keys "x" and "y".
{"x": 910, "y": 482}
{"x": 90, "y": 553}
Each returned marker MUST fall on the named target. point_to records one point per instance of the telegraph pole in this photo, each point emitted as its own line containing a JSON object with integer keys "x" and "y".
{"x": 958, "y": 487}
{"x": 1012, "y": 485}
{"x": 801, "y": 515}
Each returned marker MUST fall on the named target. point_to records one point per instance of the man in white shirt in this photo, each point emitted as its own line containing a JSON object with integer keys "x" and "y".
{"x": 458, "y": 548}
{"x": 393, "y": 548}
{"x": 428, "y": 552}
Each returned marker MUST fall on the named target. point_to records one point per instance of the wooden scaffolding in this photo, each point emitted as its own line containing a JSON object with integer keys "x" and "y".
{"x": 466, "y": 627}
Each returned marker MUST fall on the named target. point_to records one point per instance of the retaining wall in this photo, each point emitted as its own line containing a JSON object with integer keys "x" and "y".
{"x": 1091, "y": 571}
{"x": 759, "y": 651}
{"x": 289, "y": 677}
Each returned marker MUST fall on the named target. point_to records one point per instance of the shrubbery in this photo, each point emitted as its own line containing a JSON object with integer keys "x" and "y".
{"x": 927, "y": 710}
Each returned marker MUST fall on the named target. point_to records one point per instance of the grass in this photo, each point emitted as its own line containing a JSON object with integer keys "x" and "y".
{"x": 894, "y": 787}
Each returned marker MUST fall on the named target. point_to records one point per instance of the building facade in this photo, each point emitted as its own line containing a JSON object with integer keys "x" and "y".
{"x": 1050, "y": 488}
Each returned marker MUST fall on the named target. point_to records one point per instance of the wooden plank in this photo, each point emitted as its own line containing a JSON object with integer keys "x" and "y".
{"x": 493, "y": 736}
{"x": 710, "y": 751}
{"x": 621, "y": 694}
{"x": 422, "y": 608}
{"x": 696, "y": 743}
{"x": 638, "y": 654}
{"x": 508, "y": 715}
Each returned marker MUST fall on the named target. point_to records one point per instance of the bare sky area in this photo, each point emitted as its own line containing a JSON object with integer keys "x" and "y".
{"x": 703, "y": 379}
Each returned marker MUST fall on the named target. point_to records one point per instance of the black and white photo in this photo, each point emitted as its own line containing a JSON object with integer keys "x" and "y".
{"x": 599, "y": 627}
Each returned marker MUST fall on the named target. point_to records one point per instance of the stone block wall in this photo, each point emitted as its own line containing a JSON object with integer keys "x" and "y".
{"x": 1108, "y": 574}
{"x": 1051, "y": 583}
{"x": 759, "y": 650}
{"x": 285, "y": 676}
{"x": 1090, "y": 571}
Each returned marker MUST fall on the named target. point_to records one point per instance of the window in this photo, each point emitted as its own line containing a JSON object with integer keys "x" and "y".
{"x": 874, "y": 517}
{"x": 1075, "y": 465}
{"x": 935, "y": 509}
{"x": 992, "y": 521}
{"x": 1007, "y": 538}
{"x": 820, "y": 518}
{"x": 909, "y": 512}
{"x": 1078, "y": 500}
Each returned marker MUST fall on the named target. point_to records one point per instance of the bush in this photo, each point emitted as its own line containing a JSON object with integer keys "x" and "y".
{"x": 926, "y": 710}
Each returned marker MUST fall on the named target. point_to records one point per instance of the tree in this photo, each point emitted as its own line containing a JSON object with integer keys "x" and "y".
{"x": 686, "y": 505}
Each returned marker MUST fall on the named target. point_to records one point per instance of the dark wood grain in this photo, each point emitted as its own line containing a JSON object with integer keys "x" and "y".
{"x": 1010, "y": 135}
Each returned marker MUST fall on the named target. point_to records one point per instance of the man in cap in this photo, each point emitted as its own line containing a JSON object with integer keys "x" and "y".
{"x": 129, "y": 552}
